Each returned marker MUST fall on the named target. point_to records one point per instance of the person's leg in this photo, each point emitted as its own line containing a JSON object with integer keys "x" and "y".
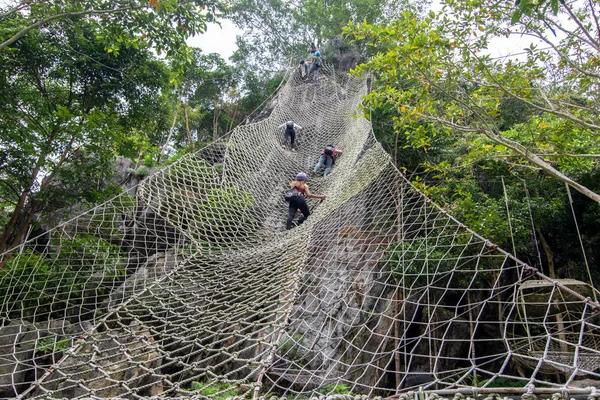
{"x": 328, "y": 165}
{"x": 285, "y": 138}
{"x": 292, "y": 210}
{"x": 292, "y": 139}
{"x": 320, "y": 163}
{"x": 304, "y": 208}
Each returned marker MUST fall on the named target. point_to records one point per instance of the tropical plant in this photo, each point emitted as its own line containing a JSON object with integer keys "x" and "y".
{"x": 434, "y": 72}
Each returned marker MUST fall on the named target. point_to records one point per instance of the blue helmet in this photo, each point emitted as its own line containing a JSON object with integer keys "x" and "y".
{"x": 317, "y": 53}
{"x": 301, "y": 176}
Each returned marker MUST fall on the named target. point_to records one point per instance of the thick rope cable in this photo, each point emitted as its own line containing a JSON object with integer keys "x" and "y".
{"x": 587, "y": 265}
{"x": 190, "y": 285}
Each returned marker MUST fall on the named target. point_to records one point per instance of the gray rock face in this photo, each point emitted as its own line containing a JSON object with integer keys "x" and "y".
{"x": 109, "y": 364}
{"x": 16, "y": 358}
{"x": 345, "y": 56}
{"x": 345, "y": 284}
{"x": 127, "y": 173}
{"x": 153, "y": 269}
{"x": 27, "y": 349}
{"x": 585, "y": 383}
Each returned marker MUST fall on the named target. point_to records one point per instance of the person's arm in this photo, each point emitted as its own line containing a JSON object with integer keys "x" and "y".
{"x": 339, "y": 151}
{"x": 297, "y": 127}
{"x": 313, "y": 196}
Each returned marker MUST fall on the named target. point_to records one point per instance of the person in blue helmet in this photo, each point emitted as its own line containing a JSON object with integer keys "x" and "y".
{"x": 316, "y": 66}
{"x": 297, "y": 201}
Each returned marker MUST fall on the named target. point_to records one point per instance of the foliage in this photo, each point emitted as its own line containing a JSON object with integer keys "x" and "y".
{"x": 161, "y": 24}
{"x": 209, "y": 86}
{"x": 217, "y": 390}
{"x": 68, "y": 108}
{"x": 431, "y": 72}
{"x": 280, "y": 31}
{"x": 333, "y": 389}
{"x": 226, "y": 214}
{"x": 418, "y": 261}
{"x": 534, "y": 7}
{"x": 292, "y": 349}
{"x": 210, "y": 213}
{"x": 494, "y": 140}
{"x": 50, "y": 345}
{"x": 61, "y": 281}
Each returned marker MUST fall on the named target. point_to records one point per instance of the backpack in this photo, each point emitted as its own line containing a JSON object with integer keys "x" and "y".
{"x": 329, "y": 150}
{"x": 291, "y": 194}
{"x": 289, "y": 129}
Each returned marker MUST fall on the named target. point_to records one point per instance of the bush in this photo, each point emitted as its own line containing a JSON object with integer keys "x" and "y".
{"x": 70, "y": 280}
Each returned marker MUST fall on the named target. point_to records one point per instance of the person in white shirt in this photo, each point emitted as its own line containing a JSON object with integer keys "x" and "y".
{"x": 289, "y": 133}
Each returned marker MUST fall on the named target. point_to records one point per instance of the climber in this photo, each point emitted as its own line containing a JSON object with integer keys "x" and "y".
{"x": 316, "y": 66}
{"x": 302, "y": 68}
{"x": 312, "y": 49}
{"x": 328, "y": 156}
{"x": 289, "y": 132}
{"x": 297, "y": 201}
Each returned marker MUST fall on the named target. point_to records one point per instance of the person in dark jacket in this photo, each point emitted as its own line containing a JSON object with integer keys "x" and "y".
{"x": 298, "y": 202}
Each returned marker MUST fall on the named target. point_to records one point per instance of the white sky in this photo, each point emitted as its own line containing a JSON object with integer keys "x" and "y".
{"x": 221, "y": 39}
{"x": 217, "y": 39}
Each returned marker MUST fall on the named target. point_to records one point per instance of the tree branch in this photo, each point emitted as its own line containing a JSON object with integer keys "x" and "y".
{"x": 44, "y": 21}
{"x": 594, "y": 16}
{"x": 536, "y": 106}
{"x": 534, "y": 159}
{"x": 14, "y": 10}
{"x": 541, "y": 37}
{"x": 594, "y": 42}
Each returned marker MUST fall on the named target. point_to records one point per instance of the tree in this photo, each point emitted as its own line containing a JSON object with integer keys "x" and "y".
{"x": 280, "y": 31}
{"x": 436, "y": 76}
{"x": 161, "y": 24}
{"x": 68, "y": 108}
{"x": 209, "y": 80}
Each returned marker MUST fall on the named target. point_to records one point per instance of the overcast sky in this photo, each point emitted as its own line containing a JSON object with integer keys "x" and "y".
{"x": 221, "y": 39}
{"x": 217, "y": 39}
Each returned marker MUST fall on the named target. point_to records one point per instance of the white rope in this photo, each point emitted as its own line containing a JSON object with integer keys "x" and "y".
{"x": 189, "y": 285}
{"x": 587, "y": 266}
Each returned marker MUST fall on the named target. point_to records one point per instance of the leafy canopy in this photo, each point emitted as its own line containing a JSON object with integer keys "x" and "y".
{"x": 435, "y": 74}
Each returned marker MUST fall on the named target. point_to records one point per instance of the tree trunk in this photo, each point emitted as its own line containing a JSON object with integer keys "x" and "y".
{"x": 560, "y": 323}
{"x": 216, "y": 115}
{"x": 233, "y": 118}
{"x": 19, "y": 207}
{"x": 168, "y": 138}
{"x": 187, "y": 126}
{"x": 549, "y": 254}
{"x": 538, "y": 161}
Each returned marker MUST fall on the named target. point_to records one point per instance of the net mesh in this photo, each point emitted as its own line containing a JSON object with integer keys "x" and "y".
{"x": 189, "y": 285}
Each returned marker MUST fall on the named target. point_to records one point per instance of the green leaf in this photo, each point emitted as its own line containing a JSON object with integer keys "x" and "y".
{"x": 516, "y": 16}
{"x": 554, "y": 4}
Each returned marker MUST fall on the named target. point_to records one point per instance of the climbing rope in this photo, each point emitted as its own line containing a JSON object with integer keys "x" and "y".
{"x": 189, "y": 284}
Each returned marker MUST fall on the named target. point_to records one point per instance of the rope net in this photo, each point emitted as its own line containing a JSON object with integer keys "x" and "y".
{"x": 189, "y": 285}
